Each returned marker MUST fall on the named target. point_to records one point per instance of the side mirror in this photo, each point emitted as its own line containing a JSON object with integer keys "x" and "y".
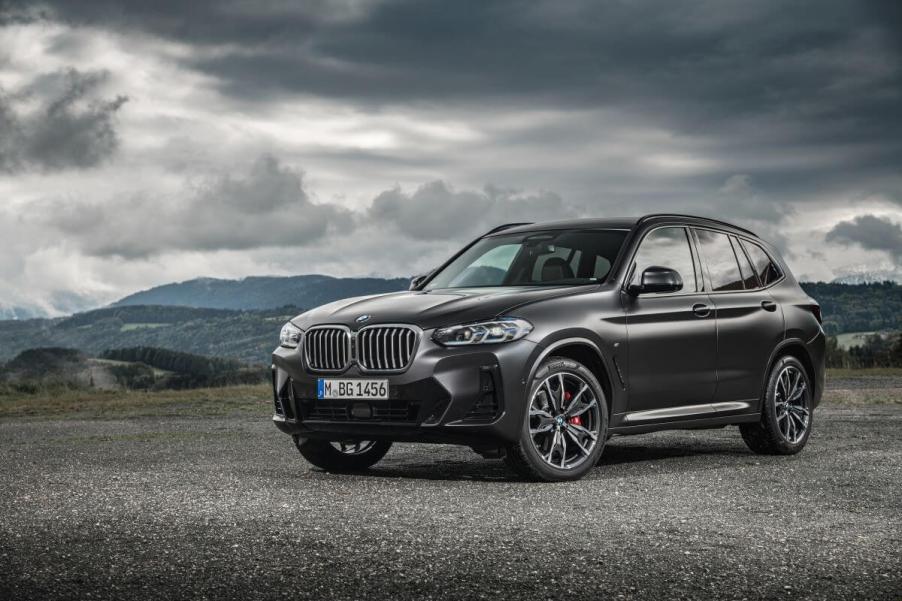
{"x": 416, "y": 280}
{"x": 657, "y": 279}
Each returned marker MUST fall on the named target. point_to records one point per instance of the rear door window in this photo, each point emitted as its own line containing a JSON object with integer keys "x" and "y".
{"x": 723, "y": 269}
{"x": 767, "y": 271}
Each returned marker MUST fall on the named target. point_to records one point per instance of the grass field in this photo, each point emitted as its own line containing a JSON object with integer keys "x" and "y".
{"x": 864, "y": 374}
{"x": 854, "y": 387}
{"x": 96, "y": 404}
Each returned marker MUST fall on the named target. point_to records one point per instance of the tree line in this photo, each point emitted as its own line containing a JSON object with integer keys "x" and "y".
{"x": 189, "y": 370}
{"x": 877, "y": 351}
{"x": 858, "y": 308}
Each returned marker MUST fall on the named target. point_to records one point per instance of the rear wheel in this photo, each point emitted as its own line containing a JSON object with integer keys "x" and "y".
{"x": 344, "y": 455}
{"x": 786, "y": 413}
{"x": 565, "y": 426}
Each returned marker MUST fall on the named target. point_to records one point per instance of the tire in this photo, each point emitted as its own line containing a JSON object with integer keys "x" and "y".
{"x": 784, "y": 428}
{"x": 325, "y": 455}
{"x": 538, "y": 455}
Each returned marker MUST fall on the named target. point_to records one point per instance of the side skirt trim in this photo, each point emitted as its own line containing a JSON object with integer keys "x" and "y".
{"x": 686, "y": 411}
{"x": 711, "y": 421}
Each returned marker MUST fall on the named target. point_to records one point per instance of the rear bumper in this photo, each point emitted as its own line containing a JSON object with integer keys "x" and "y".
{"x": 469, "y": 396}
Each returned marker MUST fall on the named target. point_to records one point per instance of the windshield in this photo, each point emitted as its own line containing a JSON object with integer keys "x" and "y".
{"x": 552, "y": 258}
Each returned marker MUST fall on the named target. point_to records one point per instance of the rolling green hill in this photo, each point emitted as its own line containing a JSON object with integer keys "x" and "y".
{"x": 248, "y": 336}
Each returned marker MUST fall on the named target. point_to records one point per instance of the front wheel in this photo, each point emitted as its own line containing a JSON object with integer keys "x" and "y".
{"x": 342, "y": 456}
{"x": 565, "y": 426}
{"x": 786, "y": 413}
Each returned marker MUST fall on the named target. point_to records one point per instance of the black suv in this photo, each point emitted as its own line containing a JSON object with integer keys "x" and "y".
{"x": 537, "y": 342}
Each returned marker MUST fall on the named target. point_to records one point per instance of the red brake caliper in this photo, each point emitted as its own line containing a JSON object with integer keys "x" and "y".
{"x": 576, "y": 421}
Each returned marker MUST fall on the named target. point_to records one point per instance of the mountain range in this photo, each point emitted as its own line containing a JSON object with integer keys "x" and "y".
{"x": 262, "y": 292}
{"x": 237, "y": 327}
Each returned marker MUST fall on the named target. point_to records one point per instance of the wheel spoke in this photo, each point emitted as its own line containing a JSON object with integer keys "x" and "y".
{"x": 561, "y": 392}
{"x": 583, "y": 409}
{"x": 353, "y": 447}
{"x": 563, "y": 449}
{"x": 550, "y": 397}
{"x": 799, "y": 420}
{"x": 542, "y": 428}
{"x": 795, "y": 384}
{"x": 800, "y": 410}
{"x": 576, "y": 397}
{"x": 576, "y": 440}
{"x": 797, "y": 394}
{"x": 551, "y": 447}
{"x": 582, "y": 431}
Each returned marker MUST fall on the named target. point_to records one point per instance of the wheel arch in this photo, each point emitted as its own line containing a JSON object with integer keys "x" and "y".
{"x": 586, "y": 352}
{"x": 792, "y": 347}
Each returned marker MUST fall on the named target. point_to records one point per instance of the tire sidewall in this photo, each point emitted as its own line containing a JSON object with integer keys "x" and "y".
{"x": 550, "y": 367}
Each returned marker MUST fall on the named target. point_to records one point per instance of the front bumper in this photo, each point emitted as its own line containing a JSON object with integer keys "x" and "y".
{"x": 471, "y": 396}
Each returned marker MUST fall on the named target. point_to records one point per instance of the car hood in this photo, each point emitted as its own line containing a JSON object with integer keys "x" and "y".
{"x": 435, "y": 308}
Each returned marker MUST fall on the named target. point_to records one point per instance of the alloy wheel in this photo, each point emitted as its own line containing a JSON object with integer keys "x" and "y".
{"x": 353, "y": 447}
{"x": 791, "y": 402}
{"x": 564, "y": 420}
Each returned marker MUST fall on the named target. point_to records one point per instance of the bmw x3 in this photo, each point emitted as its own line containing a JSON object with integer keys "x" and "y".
{"x": 537, "y": 342}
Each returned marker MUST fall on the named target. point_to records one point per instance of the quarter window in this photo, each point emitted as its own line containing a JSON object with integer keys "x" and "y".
{"x": 722, "y": 265}
{"x": 667, "y": 247}
{"x": 748, "y": 274}
{"x": 767, "y": 272}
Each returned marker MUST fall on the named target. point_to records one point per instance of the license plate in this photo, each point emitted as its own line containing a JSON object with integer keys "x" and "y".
{"x": 331, "y": 388}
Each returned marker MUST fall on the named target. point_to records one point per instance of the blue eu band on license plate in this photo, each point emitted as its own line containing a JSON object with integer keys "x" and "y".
{"x": 338, "y": 388}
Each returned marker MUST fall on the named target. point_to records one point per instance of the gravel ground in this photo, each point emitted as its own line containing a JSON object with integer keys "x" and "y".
{"x": 192, "y": 508}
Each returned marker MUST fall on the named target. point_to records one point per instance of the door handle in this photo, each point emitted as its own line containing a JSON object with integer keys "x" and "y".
{"x": 701, "y": 310}
{"x": 768, "y": 305}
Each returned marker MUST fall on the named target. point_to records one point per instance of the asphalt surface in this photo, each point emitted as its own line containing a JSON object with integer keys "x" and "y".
{"x": 193, "y": 508}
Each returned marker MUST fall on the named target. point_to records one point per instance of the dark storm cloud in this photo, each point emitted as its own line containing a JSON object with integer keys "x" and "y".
{"x": 727, "y": 58}
{"x": 435, "y": 211}
{"x": 71, "y": 128}
{"x": 871, "y": 233}
{"x": 811, "y": 78}
{"x": 264, "y": 205}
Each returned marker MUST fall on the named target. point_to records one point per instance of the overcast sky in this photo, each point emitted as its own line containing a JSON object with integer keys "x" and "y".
{"x": 149, "y": 142}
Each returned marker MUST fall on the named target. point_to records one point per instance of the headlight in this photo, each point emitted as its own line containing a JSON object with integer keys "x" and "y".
{"x": 504, "y": 329}
{"x": 290, "y": 336}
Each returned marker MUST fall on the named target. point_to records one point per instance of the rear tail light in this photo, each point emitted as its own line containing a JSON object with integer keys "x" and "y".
{"x": 816, "y": 309}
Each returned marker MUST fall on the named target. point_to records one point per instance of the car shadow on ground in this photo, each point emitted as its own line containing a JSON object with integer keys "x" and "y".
{"x": 655, "y": 458}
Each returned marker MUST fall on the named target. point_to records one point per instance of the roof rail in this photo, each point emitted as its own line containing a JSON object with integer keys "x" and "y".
{"x": 505, "y": 227}
{"x": 681, "y": 216}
